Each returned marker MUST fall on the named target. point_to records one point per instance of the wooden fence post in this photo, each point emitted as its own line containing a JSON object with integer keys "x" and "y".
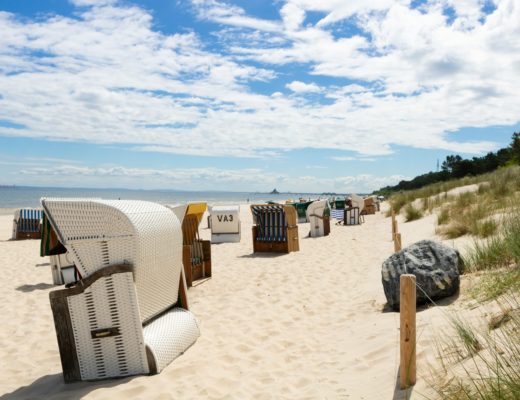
{"x": 397, "y": 242}
{"x": 407, "y": 369}
{"x": 393, "y": 224}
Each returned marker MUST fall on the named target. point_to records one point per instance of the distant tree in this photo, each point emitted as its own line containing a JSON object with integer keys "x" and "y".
{"x": 450, "y": 163}
{"x": 515, "y": 147}
{"x": 456, "y": 167}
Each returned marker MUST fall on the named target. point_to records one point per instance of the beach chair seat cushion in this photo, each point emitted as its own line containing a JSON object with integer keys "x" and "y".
{"x": 168, "y": 336}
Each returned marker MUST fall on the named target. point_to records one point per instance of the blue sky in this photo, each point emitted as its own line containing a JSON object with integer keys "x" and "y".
{"x": 301, "y": 95}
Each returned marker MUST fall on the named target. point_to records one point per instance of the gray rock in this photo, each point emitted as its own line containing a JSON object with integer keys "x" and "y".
{"x": 434, "y": 265}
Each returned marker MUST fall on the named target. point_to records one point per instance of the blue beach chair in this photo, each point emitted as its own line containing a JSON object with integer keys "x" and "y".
{"x": 276, "y": 228}
{"x": 27, "y": 224}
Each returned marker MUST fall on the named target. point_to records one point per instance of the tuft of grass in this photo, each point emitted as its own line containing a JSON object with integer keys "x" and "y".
{"x": 494, "y": 284}
{"x": 456, "y": 229}
{"x": 443, "y": 217}
{"x": 489, "y": 362}
{"x": 467, "y": 337}
{"x": 500, "y": 251}
{"x": 485, "y": 229}
{"x": 411, "y": 213}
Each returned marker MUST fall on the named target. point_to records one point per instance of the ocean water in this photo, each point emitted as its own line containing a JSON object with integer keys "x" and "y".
{"x": 23, "y": 196}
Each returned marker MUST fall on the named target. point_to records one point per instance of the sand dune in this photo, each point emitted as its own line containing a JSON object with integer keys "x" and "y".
{"x": 307, "y": 325}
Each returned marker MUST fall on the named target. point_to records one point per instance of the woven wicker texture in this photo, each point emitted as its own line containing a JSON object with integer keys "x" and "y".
{"x": 171, "y": 335}
{"x": 99, "y": 233}
{"x": 110, "y": 302}
{"x": 315, "y": 213}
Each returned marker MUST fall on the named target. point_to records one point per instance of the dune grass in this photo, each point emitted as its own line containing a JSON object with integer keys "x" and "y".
{"x": 468, "y": 213}
{"x": 478, "y": 364}
{"x": 483, "y": 365}
{"x": 411, "y": 213}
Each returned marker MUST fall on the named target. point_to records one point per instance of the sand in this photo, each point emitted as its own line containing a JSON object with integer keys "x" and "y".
{"x": 306, "y": 325}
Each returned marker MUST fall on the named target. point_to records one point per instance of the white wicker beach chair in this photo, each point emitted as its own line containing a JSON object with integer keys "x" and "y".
{"x": 318, "y": 216}
{"x": 354, "y": 214}
{"x": 128, "y": 313}
{"x": 225, "y": 224}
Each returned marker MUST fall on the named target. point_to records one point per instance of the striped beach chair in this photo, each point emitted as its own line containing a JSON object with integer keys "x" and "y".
{"x": 275, "y": 228}
{"x": 128, "y": 314}
{"x": 196, "y": 253}
{"x": 27, "y": 224}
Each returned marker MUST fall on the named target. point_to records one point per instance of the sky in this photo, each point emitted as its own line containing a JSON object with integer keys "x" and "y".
{"x": 251, "y": 95}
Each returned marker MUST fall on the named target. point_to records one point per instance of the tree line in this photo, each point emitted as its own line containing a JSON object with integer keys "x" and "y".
{"x": 457, "y": 167}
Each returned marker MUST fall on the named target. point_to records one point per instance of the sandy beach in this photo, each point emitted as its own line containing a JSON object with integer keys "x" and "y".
{"x": 306, "y": 325}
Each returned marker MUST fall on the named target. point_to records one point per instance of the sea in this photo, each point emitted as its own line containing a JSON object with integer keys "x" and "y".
{"x": 13, "y": 197}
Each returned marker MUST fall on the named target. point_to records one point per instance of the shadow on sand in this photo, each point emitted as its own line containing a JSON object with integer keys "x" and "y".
{"x": 53, "y": 387}
{"x": 422, "y": 307}
{"x": 32, "y": 288}
{"x": 401, "y": 394}
{"x": 263, "y": 255}
{"x": 42, "y": 265}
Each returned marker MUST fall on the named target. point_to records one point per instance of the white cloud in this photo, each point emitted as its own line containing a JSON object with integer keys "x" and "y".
{"x": 200, "y": 178}
{"x": 302, "y": 87}
{"x": 92, "y": 2}
{"x": 105, "y": 75}
{"x": 349, "y": 158}
{"x": 221, "y": 12}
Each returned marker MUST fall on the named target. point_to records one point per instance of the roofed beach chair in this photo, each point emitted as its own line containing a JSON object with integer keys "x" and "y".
{"x": 337, "y": 209}
{"x": 196, "y": 253}
{"x": 27, "y": 224}
{"x": 276, "y": 228}
{"x": 128, "y": 314}
{"x": 225, "y": 224}
{"x": 370, "y": 205}
{"x": 354, "y": 214}
{"x": 318, "y": 215}
{"x": 301, "y": 210}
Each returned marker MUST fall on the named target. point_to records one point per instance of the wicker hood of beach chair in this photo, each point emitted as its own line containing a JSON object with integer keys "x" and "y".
{"x": 318, "y": 214}
{"x": 129, "y": 313}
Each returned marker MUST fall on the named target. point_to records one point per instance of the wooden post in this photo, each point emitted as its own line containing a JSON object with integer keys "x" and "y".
{"x": 393, "y": 224}
{"x": 397, "y": 242}
{"x": 407, "y": 300}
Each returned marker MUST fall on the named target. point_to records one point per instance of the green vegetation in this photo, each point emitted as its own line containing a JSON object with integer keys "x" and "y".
{"x": 479, "y": 364}
{"x": 455, "y": 167}
{"x": 489, "y": 363}
{"x": 411, "y": 213}
{"x": 470, "y": 212}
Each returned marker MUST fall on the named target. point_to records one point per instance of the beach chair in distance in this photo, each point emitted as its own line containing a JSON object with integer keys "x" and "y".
{"x": 354, "y": 214}
{"x": 27, "y": 224}
{"x": 196, "y": 253}
{"x": 128, "y": 314}
{"x": 224, "y": 222}
{"x": 370, "y": 205}
{"x": 275, "y": 228}
{"x": 318, "y": 215}
{"x": 301, "y": 210}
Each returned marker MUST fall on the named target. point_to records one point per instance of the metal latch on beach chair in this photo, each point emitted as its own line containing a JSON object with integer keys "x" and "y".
{"x": 104, "y": 333}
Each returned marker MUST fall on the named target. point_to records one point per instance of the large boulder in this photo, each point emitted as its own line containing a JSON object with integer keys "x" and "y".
{"x": 434, "y": 265}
